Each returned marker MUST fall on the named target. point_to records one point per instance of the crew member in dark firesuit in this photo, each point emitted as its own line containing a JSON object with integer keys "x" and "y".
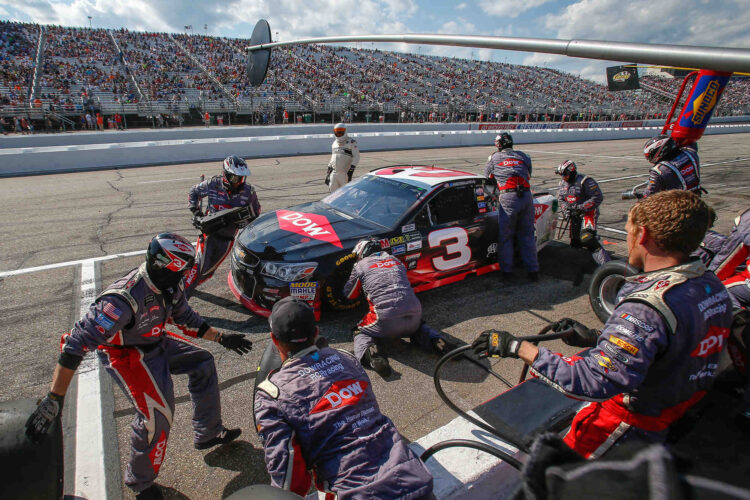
{"x": 228, "y": 190}
{"x": 511, "y": 170}
{"x": 318, "y": 414}
{"x": 674, "y": 167}
{"x": 344, "y": 158}
{"x": 126, "y": 327}
{"x": 395, "y": 310}
{"x": 658, "y": 353}
{"x": 579, "y": 196}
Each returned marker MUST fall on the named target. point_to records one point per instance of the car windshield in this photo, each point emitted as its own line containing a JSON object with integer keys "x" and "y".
{"x": 382, "y": 201}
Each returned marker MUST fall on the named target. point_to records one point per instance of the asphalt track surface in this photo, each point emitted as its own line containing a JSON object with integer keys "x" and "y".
{"x": 67, "y": 217}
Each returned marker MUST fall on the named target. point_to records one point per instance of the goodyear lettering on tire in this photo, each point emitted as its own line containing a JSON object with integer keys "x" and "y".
{"x": 334, "y": 288}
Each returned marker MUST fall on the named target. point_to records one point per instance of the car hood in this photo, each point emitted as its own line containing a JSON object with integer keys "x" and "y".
{"x": 304, "y": 232}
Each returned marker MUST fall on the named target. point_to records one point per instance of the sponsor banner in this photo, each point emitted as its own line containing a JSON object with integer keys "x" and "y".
{"x": 605, "y": 124}
{"x": 497, "y": 126}
{"x": 632, "y": 123}
{"x": 537, "y": 126}
{"x": 575, "y": 125}
{"x": 623, "y": 78}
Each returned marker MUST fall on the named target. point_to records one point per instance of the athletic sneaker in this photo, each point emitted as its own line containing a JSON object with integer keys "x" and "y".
{"x": 223, "y": 437}
{"x": 153, "y": 492}
{"x": 373, "y": 359}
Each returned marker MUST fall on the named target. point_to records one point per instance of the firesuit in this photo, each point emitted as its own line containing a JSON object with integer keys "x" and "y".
{"x": 126, "y": 326}
{"x": 344, "y": 157}
{"x": 318, "y": 414}
{"x": 681, "y": 172}
{"x": 395, "y": 310}
{"x": 212, "y": 249}
{"x": 655, "y": 357}
{"x": 581, "y": 199}
{"x": 511, "y": 170}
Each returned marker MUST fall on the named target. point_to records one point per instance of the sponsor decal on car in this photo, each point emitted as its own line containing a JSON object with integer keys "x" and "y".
{"x": 272, "y": 291}
{"x": 408, "y": 228}
{"x": 404, "y": 238}
{"x": 492, "y": 249}
{"x": 637, "y": 322}
{"x": 539, "y": 209}
{"x": 482, "y": 210}
{"x": 479, "y": 191}
{"x": 341, "y": 393}
{"x": 411, "y": 265}
{"x": 413, "y": 256}
{"x": 413, "y": 245}
{"x": 398, "y": 250}
{"x": 482, "y": 204}
{"x": 384, "y": 243}
{"x": 480, "y": 198}
{"x": 312, "y": 225}
{"x": 304, "y": 290}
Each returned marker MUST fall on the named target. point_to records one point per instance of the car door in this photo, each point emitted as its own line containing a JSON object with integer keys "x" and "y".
{"x": 456, "y": 226}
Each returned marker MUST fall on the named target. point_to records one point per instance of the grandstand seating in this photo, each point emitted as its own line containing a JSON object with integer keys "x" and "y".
{"x": 120, "y": 71}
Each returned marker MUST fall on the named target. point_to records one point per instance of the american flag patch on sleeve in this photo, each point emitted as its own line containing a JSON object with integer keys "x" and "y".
{"x": 112, "y": 311}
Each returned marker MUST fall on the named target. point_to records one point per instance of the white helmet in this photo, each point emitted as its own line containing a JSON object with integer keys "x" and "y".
{"x": 234, "y": 170}
{"x": 339, "y": 130}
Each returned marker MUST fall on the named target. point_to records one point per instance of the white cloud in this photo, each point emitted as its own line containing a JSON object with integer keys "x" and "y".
{"x": 509, "y": 8}
{"x": 461, "y": 6}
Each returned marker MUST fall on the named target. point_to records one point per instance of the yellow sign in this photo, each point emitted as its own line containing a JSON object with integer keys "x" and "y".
{"x": 705, "y": 102}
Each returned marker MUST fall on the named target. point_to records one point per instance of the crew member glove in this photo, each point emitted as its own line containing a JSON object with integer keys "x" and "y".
{"x": 497, "y": 344}
{"x": 581, "y": 336}
{"x": 235, "y": 342}
{"x": 350, "y": 173}
{"x": 46, "y": 412}
{"x": 327, "y": 180}
{"x": 197, "y": 219}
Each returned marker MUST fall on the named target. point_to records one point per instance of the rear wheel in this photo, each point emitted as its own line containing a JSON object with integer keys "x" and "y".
{"x": 606, "y": 284}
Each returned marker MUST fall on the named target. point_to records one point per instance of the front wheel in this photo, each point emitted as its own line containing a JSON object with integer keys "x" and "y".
{"x": 606, "y": 284}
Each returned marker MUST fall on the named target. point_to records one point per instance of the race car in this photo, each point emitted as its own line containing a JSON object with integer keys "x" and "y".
{"x": 441, "y": 223}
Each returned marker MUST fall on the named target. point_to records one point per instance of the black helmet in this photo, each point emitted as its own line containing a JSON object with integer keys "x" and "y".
{"x": 504, "y": 140}
{"x": 567, "y": 169}
{"x": 660, "y": 148}
{"x": 168, "y": 256}
{"x": 365, "y": 248}
{"x": 234, "y": 172}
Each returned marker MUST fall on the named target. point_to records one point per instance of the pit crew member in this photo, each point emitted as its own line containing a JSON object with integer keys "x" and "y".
{"x": 318, "y": 413}
{"x": 511, "y": 170}
{"x": 125, "y": 326}
{"x": 227, "y": 190}
{"x": 344, "y": 158}
{"x": 659, "y": 351}
{"x": 579, "y": 196}
{"x": 674, "y": 167}
{"x": 395, "y": 310}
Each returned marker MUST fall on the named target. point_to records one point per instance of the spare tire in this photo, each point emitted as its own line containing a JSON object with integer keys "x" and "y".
{"x": 606, "y": 284}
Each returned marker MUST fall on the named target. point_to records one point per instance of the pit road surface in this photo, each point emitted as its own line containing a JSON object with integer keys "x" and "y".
{"x": 68, "y": 217}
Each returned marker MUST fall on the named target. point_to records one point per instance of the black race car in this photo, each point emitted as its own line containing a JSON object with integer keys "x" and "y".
{"x": 441, "y": 223}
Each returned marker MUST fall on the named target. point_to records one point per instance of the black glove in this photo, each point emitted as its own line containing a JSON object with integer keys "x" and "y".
{"x": 497, "y": 344}
{"x": 235, "y": 342}
{"x": 46, "y": 412}
{"x": 350, "y": 173}
{"x": 581, "y": 336}
{"x": 197, "y": 219}
{"x": 327, "y": 181}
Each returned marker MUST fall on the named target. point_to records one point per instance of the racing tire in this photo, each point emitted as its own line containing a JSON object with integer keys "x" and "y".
{"x": 605, "y": 285}
{"x": 333, "y": 288}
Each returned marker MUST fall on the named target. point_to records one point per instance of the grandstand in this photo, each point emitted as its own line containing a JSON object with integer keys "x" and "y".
{"x": 53, "y": 76}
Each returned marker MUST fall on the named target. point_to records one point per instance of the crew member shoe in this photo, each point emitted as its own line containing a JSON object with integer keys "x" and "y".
{"x": 373, "y": 359}
{"x": 153, "y": 492}
{"x": 223, "y": 437}
{"x": 533, "y": 275}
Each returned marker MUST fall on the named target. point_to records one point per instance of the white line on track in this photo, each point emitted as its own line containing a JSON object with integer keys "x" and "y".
{"x": 633, "y": 158}
{"x": 613, "y": 230}
{"x": 646, "y": 174}
{"x": 47, "y": 267}
{"x": 194, "y": 177}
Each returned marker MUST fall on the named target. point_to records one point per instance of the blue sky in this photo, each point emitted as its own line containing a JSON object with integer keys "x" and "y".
{"x": 688, "y": 22}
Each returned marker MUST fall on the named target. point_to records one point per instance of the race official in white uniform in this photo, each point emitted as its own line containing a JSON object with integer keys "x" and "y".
{"x": 344, "y": 158}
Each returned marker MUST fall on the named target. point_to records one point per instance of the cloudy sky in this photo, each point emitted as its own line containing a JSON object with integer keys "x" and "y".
{"x": 689, "y": 22}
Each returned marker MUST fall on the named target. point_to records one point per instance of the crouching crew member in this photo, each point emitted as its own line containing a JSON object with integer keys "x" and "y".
{"x": 658, "y": 353}
{"x": 395, "y": 310}
{"x": 579, "y": 196}
{"x": 125, "y": 326}
{"x": 317, "y": 416}
{"x": 228, "y": 190}
{"x": 674, "y": 167}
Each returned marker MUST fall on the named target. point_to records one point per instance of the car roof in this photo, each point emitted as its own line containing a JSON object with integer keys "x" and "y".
{"x": 422, "y": 175}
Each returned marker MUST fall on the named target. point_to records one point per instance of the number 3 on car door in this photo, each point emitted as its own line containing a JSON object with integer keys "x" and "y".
{"x": 457, "y": 252}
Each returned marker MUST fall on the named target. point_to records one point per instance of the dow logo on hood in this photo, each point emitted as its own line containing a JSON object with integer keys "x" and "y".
{"x": 312, "y": 225}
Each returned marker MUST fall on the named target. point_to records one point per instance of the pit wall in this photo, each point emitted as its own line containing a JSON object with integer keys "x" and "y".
{"x": 57, "y": 153}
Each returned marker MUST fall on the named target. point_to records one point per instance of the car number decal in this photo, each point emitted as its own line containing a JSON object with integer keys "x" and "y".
{"x": 460, "y": 247}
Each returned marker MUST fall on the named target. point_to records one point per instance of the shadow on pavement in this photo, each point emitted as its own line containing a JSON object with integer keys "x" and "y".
{"x": 242, "y": 457}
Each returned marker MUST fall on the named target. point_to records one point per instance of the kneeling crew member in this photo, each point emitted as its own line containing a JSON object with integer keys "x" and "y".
{"x": 395, "y": 310}
{"x": 658, "y": 353}
{"x": 125, "y": 327}
{"x": 511, "y": 170}
{"x": 228, "y": 190}
{"x": 318, "y": 413}
{"x": 579, "y": 196}
{"x": 674, "y": 167}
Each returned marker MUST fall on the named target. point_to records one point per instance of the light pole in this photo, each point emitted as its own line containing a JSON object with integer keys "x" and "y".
{"x": 89, "y": 22}
{"x": 205, "y": 27}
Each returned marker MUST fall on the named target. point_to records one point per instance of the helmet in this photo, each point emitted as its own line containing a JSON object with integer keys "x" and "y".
{"x": 234, "y": 171}
{"x": 365, "y": 248}
{"x": 659, "y": 148}
{"x": 168, "y": 256}
{"x": 339, "y": 130}
{"x": 504, "y": 140}
{"x": 567, "y": 169}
